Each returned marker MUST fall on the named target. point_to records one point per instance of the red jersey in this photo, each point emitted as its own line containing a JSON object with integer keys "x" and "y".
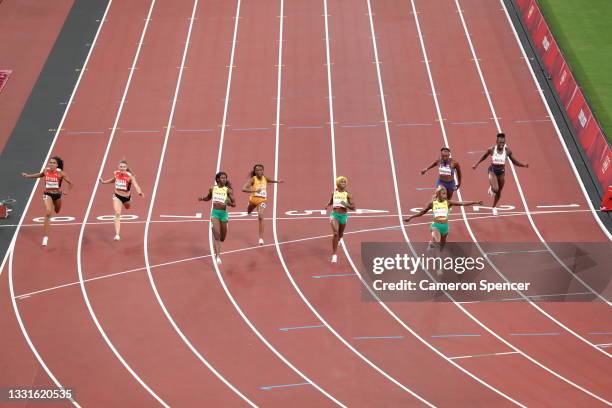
{"x": 123, "y": 181}
{"x": 53, "y": 179}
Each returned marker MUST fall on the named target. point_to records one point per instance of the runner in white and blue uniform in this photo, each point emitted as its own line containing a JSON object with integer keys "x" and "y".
{"x": 497, "y": 170}
{"x": 447, "y": 167}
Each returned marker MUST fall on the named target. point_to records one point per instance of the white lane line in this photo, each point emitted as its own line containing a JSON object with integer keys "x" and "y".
{"x": 605, "y": 345}
{"x": 360, "y": 231}
{"x": 526, "y": 206}
{"x": 10, "y": 250}
{"x": 25, "y": 332}
{"x": 531, "y": 251}
{"x": 84, "y": 132}
{"x": 533, "y": 121}
{"x": 535, "y": 297}
{"x": 248, "y": 129}
{"x": 559, "y": 206}
{"x": 88, "y": 211}
{"x": 467, "y": 224}
{"x": 398, "y": 202}
{"x": 274, "y": 212}
{"x": 305, "y": 127}
{"x": 483, "y": 355}
{"x": 443, "y": 131}
{"x": 152, "y": 205}
{"x": 195, "y": 130}
{"x": 281, "y": 18}
{"x": 413, "y": 124}
{"x": 197, "y": 218}
{"x": 470, "y": 123}
{"x": 359, "y": 126}
{"x": 378, "y": 338}
{"x": 554, "y": 123}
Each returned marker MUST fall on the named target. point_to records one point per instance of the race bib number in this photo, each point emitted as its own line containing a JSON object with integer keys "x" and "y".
{"x": 339, "y": 203}
{"x": 219, "y": 198}
{"x": 440, "y": 213}
{"x": 120, "y": 184}
{"x": 261, "y": 193}
{"x": 52, "y": 184}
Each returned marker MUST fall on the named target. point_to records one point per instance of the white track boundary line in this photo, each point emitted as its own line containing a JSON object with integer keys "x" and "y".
{"x": 152, "y": 205}
{"x": 554, "y": 123}
{"x": 483, "y": 355}
{"x": 25, "y": 333}
{"x": 402, "y": 226}
{"x": 9, "y": 252}
{"x": 298, "y": 218}
{"x": 524, "y": 200}
{"x": 210, "y": 236}
{"x": 344, "y": 247}
{"x": 293, "y": 241}
{"x": 89, "y": 206}
{"x": 55, "y": 137}
{"x": 274, "y": 223}
{"x": 443, "y": 130}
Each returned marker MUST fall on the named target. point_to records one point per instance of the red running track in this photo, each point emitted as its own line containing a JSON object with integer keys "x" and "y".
{"x": 184, "y": 333}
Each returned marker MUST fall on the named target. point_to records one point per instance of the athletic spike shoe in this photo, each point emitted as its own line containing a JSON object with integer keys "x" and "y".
{"x": 117, "y": 238}
{"x": 45, "y": 241}
{"x": 334, "y": 258}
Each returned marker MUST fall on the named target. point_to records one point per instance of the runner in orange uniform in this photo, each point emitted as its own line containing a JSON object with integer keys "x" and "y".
{"x": 256, "y": 185}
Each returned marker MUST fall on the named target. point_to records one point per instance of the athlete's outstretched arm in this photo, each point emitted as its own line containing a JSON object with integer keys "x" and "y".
{"x": 110, "y": 180}
{"x": 515, "y": 161}
{"x": 248, "y": 187}
{"x": 483, "y": 158}
{"x": 431, "y": 166}
{"x": 420, "y": 213}
{"x": 463, "y": 203}
{"x": 274, "y": 181}
{"x": 33, "y": 175}
{"x": 206, "y": 197}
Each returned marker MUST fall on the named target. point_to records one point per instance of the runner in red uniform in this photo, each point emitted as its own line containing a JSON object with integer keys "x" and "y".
{"x": 123, "y": 179}
{"x": 52, "y": 193}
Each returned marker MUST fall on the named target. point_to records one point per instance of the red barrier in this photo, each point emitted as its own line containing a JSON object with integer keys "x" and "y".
{"x": 606, "y": 203}
{"x": 587, "y": 129}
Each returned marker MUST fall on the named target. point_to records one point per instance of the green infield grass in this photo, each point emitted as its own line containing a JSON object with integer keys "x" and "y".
{"x": 583, "y": 29}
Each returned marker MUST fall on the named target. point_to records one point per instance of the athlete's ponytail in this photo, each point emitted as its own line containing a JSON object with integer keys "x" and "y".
{"x": 60, "y": 162}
